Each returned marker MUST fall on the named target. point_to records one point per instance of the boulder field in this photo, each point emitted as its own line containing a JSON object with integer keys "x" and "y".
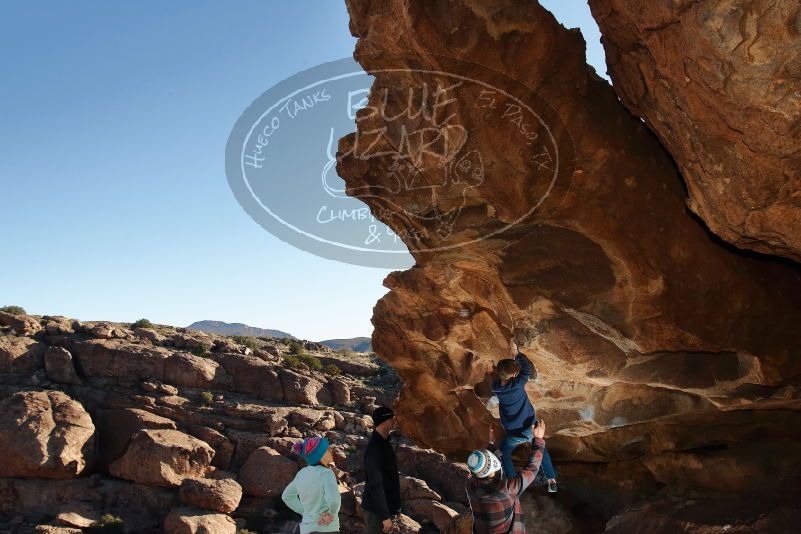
{"x": 178, "y": 431}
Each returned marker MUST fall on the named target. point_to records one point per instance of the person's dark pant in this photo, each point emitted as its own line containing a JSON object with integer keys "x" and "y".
{"x": 509, "y": 444}
{"x": 372, "y": 523}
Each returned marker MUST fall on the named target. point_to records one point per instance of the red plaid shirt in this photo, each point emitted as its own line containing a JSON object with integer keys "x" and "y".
{"x": 496, "y": 507}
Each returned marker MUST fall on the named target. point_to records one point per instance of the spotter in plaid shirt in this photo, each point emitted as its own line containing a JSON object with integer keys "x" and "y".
{"x": 496, "y": 505}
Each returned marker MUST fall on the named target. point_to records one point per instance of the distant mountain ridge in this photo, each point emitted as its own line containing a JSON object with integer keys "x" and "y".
{"x": 354, "y": 344}
{"x": 235, "y": 329}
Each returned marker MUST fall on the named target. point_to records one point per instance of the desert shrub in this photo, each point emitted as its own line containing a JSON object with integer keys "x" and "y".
{"x": 107, "y": 524}
{"x": 312, "y": 362}
{"x": 207, "y": 398}
{"x": 292, "y": 361}
{"x": 13, "y": 310}
{"x": 142, "y": 323}
{"x": 345, "y": 351}
{"x": 248, "y": 341}
{"x": 332, "y": 369}
{"x": 295, "y": 347}
{"x": 200, "y": 350}
{"x": 295, "y": 361}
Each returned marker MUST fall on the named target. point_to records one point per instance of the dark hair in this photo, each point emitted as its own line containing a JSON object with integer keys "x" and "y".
{"x": 507, "y": 368}
{"x": 491, "y": 480}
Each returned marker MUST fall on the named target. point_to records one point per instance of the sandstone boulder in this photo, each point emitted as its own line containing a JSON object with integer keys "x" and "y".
{"x": 60, "y": 366}
{"x": 252, "y": 375}
{"x": 302, "y": 389}
{"x": 415, "y": 489}
{"x": 443, "y": 517}
{"x": 340, "y": 391}
{"x": 188, "y": 370}
{"x": 266, "y": 473}
{"x": 113, "y": 358}
{"x": 223, "y": 447}
{"x": 163, "y": 458}
{"x": 149, "y": 334}
{"x": 117, "y": 427}
{"x": 58, "y": 326}
{"x": 104, "y": 330}
{"x": 20, "y": 354}
{"x": 44, "y": 434}
{"x": 24, "y": 325}
{"x": 407, "y": 525}
{"x": 221, "y": 495}
{"x": 191, "y": 521}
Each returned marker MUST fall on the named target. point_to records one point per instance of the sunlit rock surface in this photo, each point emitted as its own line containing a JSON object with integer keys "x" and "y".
{"x": 668, "y": 359}
{"x": 720, "y": 82}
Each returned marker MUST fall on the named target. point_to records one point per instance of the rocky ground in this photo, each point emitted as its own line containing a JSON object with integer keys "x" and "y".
{"x": 177, "y": 431}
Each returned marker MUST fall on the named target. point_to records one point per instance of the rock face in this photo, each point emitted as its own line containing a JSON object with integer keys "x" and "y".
{"x": 163, "y": 458}
{"x": 44, "y": 434}
{"x": 718, "y": 82}
{"x": 663, "y": 354}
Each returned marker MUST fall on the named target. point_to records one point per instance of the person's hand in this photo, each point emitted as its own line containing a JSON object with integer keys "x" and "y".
{"x": 539, "y": 429}
{"x": 513, "y": 347}
{"x": 325, "y": 519}
{"x": 387, "y": 525}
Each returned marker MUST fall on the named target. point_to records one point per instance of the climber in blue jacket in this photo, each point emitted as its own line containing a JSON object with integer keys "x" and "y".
{"x": 517, "y": 412}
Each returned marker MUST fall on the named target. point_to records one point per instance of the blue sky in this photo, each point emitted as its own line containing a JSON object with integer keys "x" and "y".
{"x": 113, "y": 196}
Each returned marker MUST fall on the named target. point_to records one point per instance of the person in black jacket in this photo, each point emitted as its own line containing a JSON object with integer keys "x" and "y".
{"x": 381, "y": 498}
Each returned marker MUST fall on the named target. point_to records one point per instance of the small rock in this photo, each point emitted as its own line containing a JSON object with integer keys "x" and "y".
{"x": 276, "y": 424}
{"x": 103, "y": 331}
{"x": 325, "y": 424}
{"x": 77, "y": 514}
{"x": 339, "y": 420}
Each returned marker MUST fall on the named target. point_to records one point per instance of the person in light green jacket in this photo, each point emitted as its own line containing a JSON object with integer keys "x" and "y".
{"x": 314, "y": 492}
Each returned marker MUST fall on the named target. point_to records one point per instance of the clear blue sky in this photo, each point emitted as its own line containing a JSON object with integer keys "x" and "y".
{"x": 113, "y": 197}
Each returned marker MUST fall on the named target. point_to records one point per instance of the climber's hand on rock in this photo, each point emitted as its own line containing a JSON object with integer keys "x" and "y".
{"x": 513, "y": 347}
{"x": 325, "y": 519}
{"x": 539, "y": 429}
{"x": 387, "y": 525}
